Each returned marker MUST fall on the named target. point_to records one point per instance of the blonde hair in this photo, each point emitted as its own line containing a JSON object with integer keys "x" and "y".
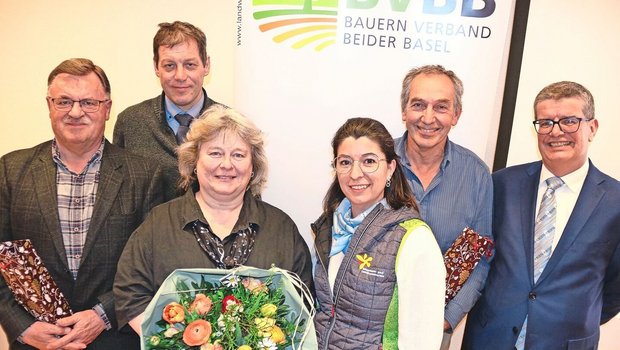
{"x": 214, "y": 121}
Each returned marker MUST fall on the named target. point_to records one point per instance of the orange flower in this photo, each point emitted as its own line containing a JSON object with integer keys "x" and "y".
{"x": 174, "y": 313}
{"x": 209, "y": 346}
{"x": 277, "y": 335}
{"x": 254, "y": 285}
{"x": 202, "y": 304}
{"x": 197, "y": 333}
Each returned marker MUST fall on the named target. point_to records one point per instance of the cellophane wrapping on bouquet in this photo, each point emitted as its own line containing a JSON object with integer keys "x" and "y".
{"x": 243, "y": 308}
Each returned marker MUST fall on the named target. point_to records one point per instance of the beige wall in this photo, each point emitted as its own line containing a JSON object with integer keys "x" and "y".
{"x": 571, "y": 40}
{"x": 567, "y": 40}
{"x": 117, "y": 35}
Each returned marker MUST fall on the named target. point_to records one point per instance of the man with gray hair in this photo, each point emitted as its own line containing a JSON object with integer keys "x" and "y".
{"x": 155, "y": 127}
{"x": 451, "y": 184}
{"x": 77, "y": 198}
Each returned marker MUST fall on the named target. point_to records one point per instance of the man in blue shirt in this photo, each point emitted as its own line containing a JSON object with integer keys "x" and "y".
{"x": 154, "y": 128}
{"x": 453, "y": 186}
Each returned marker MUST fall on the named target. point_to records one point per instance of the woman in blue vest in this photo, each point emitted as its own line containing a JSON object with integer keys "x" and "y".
{"x": 380, "y": 277}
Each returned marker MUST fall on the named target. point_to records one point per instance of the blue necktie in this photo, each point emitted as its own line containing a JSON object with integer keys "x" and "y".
{"x": 184, "y": 121}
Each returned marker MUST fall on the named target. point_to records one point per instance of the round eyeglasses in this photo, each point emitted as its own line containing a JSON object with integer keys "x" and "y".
{"x": 567, "y": 125}
{"x": 89, "y": 105}
{"x": 368, "y": 163}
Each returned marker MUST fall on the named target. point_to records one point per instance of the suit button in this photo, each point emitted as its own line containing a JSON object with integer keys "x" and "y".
{"x": 515, "y": 330}
{"x": 532, "y": 296}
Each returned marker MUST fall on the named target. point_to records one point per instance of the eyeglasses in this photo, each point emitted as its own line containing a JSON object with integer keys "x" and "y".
{"x": 368, "y": 163}
{"x": 567, "y": 125}
{"x": 89, "y": 105}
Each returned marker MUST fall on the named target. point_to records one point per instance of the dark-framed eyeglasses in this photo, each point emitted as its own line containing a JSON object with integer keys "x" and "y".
{"x": 567, "y": 125}
{"x": 368, "y": 163}
{"x": 89, "y": 105}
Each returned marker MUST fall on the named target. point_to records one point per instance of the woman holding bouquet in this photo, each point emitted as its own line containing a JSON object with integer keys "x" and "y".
{"x": 380, "y": 277}
{"x": 220, "y": 222}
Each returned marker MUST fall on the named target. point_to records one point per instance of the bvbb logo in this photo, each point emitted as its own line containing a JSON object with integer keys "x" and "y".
{"x": 313, "y": 23}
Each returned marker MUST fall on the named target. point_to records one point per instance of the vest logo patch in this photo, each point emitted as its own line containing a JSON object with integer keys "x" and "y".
{"x": 363, "y": 260}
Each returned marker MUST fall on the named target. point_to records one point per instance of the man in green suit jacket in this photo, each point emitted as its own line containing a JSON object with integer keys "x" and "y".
{"x": 78, "y": 198}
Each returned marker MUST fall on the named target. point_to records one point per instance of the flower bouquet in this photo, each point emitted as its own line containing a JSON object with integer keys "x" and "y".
{"x": 245, "y": 308}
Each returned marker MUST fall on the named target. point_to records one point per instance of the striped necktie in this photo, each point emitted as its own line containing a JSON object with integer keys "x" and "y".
{"x": 544, "y": 230}
{"x": 184, "y": 121}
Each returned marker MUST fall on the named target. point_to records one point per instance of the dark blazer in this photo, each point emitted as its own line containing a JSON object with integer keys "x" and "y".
{"x": 580, "y": 286}
{"x": 144, "y": 130}
{"x": 129, "y": 187}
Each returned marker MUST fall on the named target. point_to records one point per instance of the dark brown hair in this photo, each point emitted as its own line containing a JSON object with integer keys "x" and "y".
{"x": 399, "y": 194}
{"x": 177, "y": 32}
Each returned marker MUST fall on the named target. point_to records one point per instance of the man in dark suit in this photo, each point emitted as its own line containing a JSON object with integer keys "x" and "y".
{"x": 153, "y": 128}
{"x": 556, "y": 273}
{"x": 78, "y": 198}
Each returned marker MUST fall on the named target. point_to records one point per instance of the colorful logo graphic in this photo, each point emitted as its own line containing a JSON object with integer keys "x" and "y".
{"x": 363, "y": 260}
{"x": 302, "y": 23}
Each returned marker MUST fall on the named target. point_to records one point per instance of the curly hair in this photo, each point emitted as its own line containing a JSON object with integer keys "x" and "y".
{"x": 216, "y": 120}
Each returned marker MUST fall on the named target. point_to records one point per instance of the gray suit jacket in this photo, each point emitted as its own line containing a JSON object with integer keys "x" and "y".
{"x": 143, "y": 129}
{"x": 580, "y": 286}
{"x": 129, "y": 187}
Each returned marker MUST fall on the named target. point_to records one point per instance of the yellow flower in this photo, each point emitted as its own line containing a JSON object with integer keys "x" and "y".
{"x": 264, "y": 326}
{"x": 268, "y": 310}
{"x": 277, "y": 335}
{"x": 154, "y": 340}
{"x": 244, "y": 347}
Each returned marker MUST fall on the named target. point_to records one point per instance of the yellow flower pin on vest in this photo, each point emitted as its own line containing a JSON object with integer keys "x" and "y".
{"x": 363, "y": 260}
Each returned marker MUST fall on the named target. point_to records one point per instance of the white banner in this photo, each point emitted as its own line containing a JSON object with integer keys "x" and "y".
{"x": 304, "y": 67}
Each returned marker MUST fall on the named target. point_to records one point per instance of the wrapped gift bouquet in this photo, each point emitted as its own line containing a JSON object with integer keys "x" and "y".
{"x": 244, "y": 308}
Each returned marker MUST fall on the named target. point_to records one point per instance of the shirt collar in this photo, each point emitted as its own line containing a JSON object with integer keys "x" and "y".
{"x": 249, "y": 213}
{"x": 402, "y": 152}
{"x": 172, "y": 109}
{"x": 58, "y": 159}
{"x": 573, "y": 181}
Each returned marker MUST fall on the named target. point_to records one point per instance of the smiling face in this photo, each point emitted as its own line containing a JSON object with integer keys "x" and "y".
{"x": 181, "y": 73}
{"x": 224, "y": 168}
{"x": 430, "y": 111}
{"x": 563, "y": 153}
{"x": 76, "y": 130}
{"x": 363, "y": 190}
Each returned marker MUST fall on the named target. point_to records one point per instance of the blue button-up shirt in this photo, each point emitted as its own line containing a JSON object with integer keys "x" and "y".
{"x": 172, "y": 110}
{"x": 460, "y": 195}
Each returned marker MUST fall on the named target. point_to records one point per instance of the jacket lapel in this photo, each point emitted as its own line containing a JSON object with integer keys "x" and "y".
{"x": 110, "y": 181}
{"x": 165, "y": 137}
{"x": 529, "y": 189}
{"x": 44, "y": 179}
{"x": 587, "y": 202}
